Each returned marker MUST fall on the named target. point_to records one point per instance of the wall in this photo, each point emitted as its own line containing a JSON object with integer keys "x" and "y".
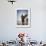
{"x": 8, "y": 28}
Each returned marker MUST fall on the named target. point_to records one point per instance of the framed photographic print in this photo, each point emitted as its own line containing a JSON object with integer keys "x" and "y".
{"x": 23, "y": 17}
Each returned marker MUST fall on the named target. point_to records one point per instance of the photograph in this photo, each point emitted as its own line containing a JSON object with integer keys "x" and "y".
{"x": 23, "y": 17}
